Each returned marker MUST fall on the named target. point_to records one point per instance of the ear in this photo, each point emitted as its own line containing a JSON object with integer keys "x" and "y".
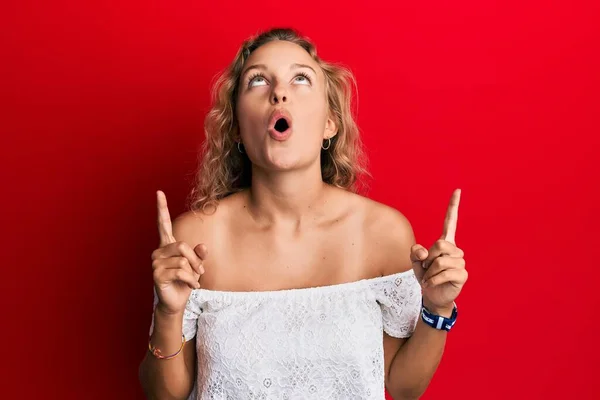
{"x": 330, "y": 128}
{"x": 235, "y": 133}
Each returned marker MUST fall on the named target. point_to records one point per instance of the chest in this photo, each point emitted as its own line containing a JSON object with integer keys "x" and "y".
{"x": 272, "y": 259}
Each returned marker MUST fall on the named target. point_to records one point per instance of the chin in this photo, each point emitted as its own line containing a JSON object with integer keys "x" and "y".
{"x": 283, "y": 164}
{"x": 286, "y": 158}
{"x": 279, "y": 158}
{"x": 285, "y": 161}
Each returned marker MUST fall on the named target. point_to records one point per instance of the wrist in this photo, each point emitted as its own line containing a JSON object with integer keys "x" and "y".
{"x": 165, "y": 313}
{"x": 443, "y": 311}
{"x": 166, "y": 333}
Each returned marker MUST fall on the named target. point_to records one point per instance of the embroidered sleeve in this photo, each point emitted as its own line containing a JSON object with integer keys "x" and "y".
{"x": 399, "y": 296}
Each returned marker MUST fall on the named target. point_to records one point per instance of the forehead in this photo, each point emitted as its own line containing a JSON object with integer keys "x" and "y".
{"x": 280, "y": 54}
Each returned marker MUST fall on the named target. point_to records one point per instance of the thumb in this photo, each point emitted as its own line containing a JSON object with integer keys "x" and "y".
{"x": 418, "y": 253}
{"x": 201, "y": 251}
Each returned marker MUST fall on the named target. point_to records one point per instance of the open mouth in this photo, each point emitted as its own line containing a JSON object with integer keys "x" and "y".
{"x": 281, "y": 125}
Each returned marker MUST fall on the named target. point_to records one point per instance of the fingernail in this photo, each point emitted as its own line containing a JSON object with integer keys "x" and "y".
{"x": 421, "y": 254}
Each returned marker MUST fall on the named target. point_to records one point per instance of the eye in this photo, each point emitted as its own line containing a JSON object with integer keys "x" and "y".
{"x": 257, "y": 79}
{"x": 302, "y": 78}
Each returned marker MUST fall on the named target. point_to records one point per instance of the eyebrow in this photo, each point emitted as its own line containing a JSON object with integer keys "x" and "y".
{"x": 264, "y": 67}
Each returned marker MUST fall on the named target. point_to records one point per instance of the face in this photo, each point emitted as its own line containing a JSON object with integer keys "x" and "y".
{"x": 283, "y": 87}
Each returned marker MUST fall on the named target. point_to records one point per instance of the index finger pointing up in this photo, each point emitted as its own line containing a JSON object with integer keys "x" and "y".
{"x": 451, "y": 218}
{"x": 165, "y": 228}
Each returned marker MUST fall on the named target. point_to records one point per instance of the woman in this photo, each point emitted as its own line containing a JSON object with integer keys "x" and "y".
{"x": 281, "y": 282}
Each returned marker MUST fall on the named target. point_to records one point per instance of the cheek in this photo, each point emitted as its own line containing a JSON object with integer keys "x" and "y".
{"x": 313, "y": 113}
{"x": 248, "y": 114}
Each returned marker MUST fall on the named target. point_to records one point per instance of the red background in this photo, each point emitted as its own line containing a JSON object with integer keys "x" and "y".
{"x": 104, "y": 103}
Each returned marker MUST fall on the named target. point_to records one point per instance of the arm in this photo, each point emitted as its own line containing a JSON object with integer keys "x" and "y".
{"x": 174, "y": 378}
{"x": 410, "y": 363}
{"x": 414, "y": 361}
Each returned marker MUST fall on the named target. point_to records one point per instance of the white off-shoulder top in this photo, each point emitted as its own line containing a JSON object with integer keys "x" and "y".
{"x": 311, "y": 343}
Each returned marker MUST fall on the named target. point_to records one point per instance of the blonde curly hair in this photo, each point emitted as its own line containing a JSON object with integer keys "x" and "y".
{"x": 223, "y": 170}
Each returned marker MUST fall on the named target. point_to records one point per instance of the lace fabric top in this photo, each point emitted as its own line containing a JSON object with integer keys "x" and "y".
{"x": 313, "y": 343}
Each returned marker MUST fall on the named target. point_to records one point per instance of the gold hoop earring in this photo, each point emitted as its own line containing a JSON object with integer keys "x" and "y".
{"x": 328, "y": 144}
{"x": 239, "y": 144}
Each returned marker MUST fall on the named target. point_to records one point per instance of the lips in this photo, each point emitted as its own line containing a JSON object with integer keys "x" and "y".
{"x": 280, "y": 124}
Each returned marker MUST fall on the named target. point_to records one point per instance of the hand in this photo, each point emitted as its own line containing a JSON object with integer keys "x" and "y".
{"x": 441, "y": 269}
{"x": 177, "y": 267}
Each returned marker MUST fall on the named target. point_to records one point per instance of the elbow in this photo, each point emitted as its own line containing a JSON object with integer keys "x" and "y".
{"x": 144, "y": 379}
{"x": 151, "y": 390}
{"x": 141, "y": 378}
{"x": 406, "y": 396}
{"x": 407, "y": 393}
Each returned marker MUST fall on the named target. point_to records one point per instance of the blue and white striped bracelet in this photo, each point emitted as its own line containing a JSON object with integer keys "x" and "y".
{"x": 437, "y": 321}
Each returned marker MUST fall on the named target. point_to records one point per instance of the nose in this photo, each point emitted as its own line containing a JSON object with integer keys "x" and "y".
{"x": 278, "y": 95}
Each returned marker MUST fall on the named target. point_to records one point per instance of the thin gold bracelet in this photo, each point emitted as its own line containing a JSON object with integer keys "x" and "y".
{"x": 158, "y": 354}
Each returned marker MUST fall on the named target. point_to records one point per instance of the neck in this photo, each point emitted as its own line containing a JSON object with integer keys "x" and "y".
{"x": 286, "y": 197}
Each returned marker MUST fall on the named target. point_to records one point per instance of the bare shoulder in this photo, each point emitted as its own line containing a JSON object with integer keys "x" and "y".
{"x": 389, "y": 233}
{"x": 386, "y": 221}
{"x": 192, "y": 224}
{"x": 194, "y": 227}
